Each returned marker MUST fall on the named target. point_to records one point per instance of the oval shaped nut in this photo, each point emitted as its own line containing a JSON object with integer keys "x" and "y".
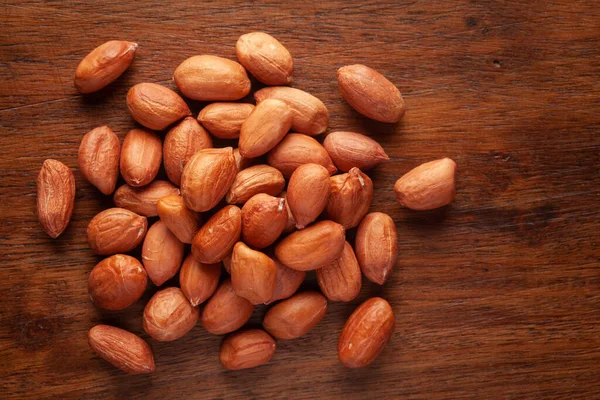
{"x": 265, "y": 58}
{"x": 287, "y": 282}
{"x": 143, "y": 200}
{"x": 349, "y": 150}
{"x": 370, "y": 93}
{"x": 297, "y": 149}
{"x": 216, "y": 238}
{"x": 225, "y": 311}
{"x": 341, "y": 280}
{"x": 198, "y": 281}
{"x": 207, "y": 177}
{"x": 253, "y": 274}
{"x": 350, "y": 198}
{"x": 313, "y": 247}
{"x": 295, "y": 316}
{"x": 104, "y": 65}
{"x": 155, "y": 106}
{"x": 307, "y": 193}
{"x": 117, "y": 282}
{"x": 254, "y": 180}
{"x": 211, "y": 78}
{"x": 181, "y": 221}
{"x": 242, "y": 162}
{"x": 224, "y": 120}
{"x": 162, "y": 253}
{"x": 247, "y": 349}
{"x": 169, "y": 315}
{"x": 291, "y": 223}
{"x": 98, "y": 158}
{"x": 141, "y": 155}
{"x": 55, "y": 197}
{"x": 181, "y": 142}
{"x": 310, "y": 116}
{"x": 428, "y": 186}
{"x": 264, "y": 218}
{"x": 376, "y": 246}
{"x": 123, "y": 349}
{"x": 366, "y": 333}
{"x": 116, "y": 230}
{"x": 264, "y": 128}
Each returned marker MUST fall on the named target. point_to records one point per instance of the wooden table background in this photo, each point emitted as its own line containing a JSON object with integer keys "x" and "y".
{"x": 497, "y": 296}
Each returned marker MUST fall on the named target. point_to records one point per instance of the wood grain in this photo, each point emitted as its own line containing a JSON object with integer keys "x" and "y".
{"x": 496, "y": 296}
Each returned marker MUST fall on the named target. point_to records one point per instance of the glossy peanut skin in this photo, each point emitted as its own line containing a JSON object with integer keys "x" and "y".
{"x": 207, "y": 177}
{"x": 366, "y": 333}
{"x": 370, "y": 93}
{"x": 265, "y": 58}
{"x": 181, "y": 142}
{"x": 287, "y": 280}
{"x": 216, "y": 238}
{"x": 55, "y": 197}
{"x": 294, "y": 317}
{"x": 183, "y": 222}
{"x": 141, "y": 156}
{"x": 225, "y": 311}
{"x": 341, "y": 280}
{"x": 116, "y": 230}
{"x": 253, "y": 274}
{"x": 376, "y": 246}
{"x": 155, "y": 106}
{"x": 247, "y": 349}
{"x": 162, "y": 253}
{"x": 307, "y": 193}
{"x": 117, "y": 282}
{"x": 264, "y": 128}
{"x": 122, "y": 349}
{"x": 143, "y": 200}
{"x": 198, "y": 281}
{"x": 254, "y": 180}
{"x": 169, "y": 315}
{"x": 98, "y": 158}
{"x": 296, "y": 149}
{"x": 103, "y": 65}
{"x": 428, "y": 186}
{"x": 352, "y": 150}
{"x": 264, "y": 218}
{"x": 224, "y": 120}
{"x": 313, "y": 247}
{"x": 350, "y": 198}
{"x": 211, "y": 78}
{"x": 309, "y": 115}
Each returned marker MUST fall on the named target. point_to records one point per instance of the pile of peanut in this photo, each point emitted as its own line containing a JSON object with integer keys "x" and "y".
{"x": 265, "y": 235}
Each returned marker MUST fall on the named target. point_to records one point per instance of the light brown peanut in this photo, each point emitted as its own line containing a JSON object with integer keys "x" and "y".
{"x": 297, "y": 149}
{"x": 309, "y": 114}
{"x": 103, "y": 65}
{"x": 264, "y": 128}
{"x": 370, "y": 93}
{"x": 376, "y": 246}
{"x": 141, "y": 156}
{"x": 143, "y": 200}
{"x": 116, "y": 230}
{"x": 98, "y": 158}
{"x": 155, "y": 106}
{"x": 211, "y": 78}
{"x": 162, "y": 253}
{"x": 55, "y": 197}
{"x": 181, "y": 142}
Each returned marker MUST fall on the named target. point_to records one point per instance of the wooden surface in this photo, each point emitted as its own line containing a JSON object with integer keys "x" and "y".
{"x": 496, "y": 296}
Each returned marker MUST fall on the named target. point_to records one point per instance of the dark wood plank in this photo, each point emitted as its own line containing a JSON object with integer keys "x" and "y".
{"x": 496, "y": 296}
